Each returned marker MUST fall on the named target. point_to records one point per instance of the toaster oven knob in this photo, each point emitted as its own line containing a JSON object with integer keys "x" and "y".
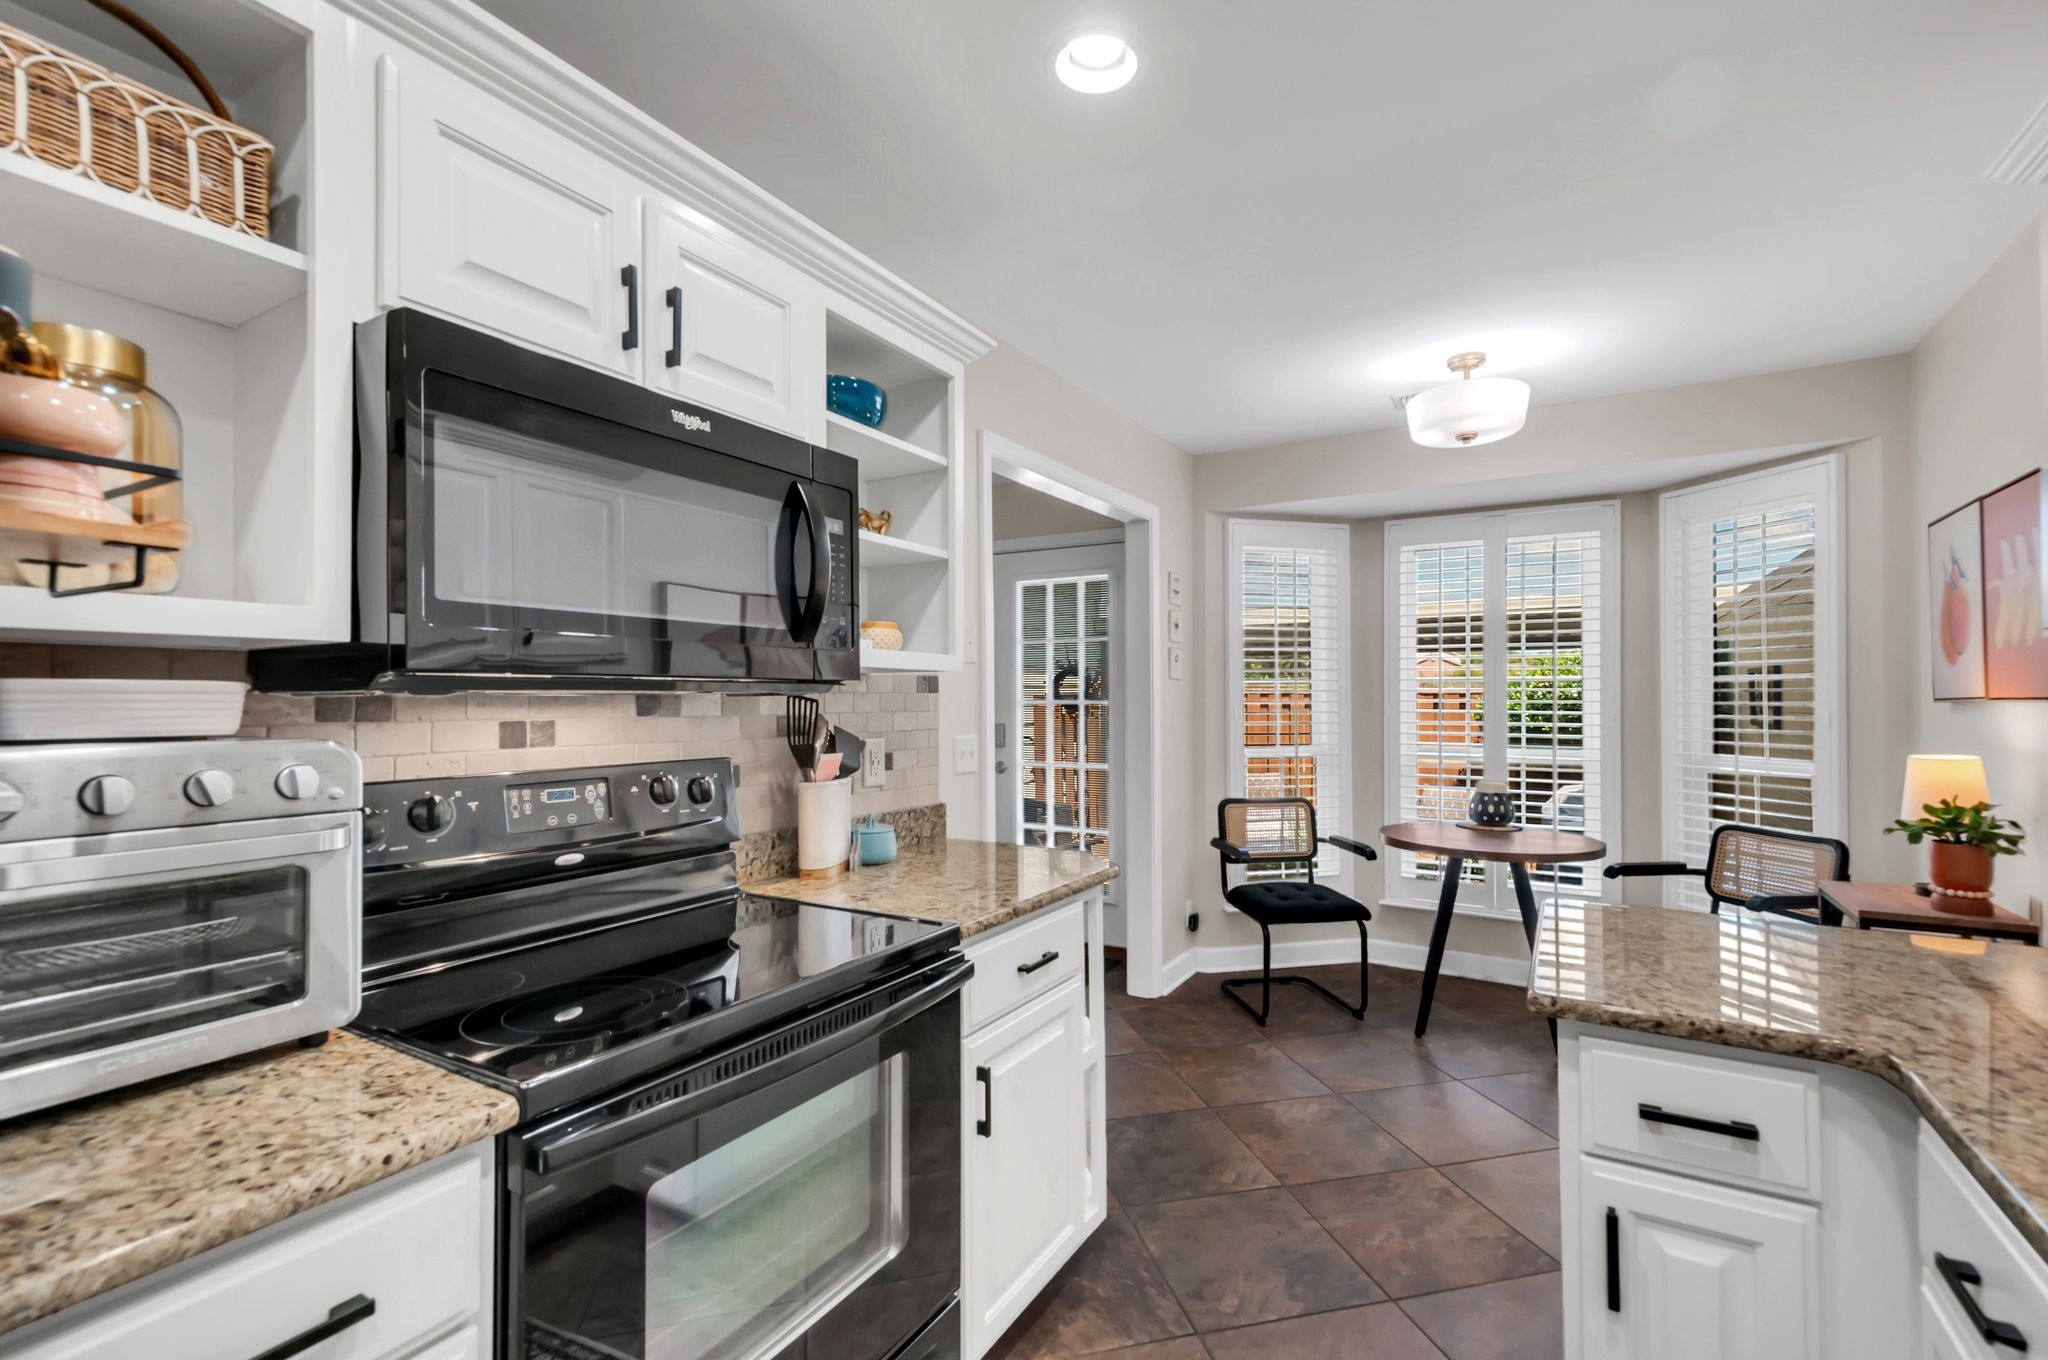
{"x": 431, "y": 815}
{"x": 210, "y": 788}
{"x": 106, "y": 795}
{"x": 701, "y": 789}
{"x": 11, "y": 801}
{"x": 298, "y": 781}
{"x": 662, "y": 790}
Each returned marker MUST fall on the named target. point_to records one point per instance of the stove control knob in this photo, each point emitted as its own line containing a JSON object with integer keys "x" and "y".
{"x": 12, "y": 800}
{"x": 298, "y": 781}
{"x": 701, "y": 789}
{"x": 373, "y": 829}
{"x": 210, "y": 788}
{"x": 662, "y": 790}
{"x": 106, "y": 795}
{"x": 431, "y": 815}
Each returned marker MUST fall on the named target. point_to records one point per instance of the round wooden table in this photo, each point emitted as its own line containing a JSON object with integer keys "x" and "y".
{"x": 1516, "y": 849}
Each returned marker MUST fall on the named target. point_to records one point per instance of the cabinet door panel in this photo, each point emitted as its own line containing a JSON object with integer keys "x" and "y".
{"x": 1703, "y": 1271}
{"x": 1027, "y": 1175}
{"x": 506, "y": 224}
{"x": 744, "y": 333}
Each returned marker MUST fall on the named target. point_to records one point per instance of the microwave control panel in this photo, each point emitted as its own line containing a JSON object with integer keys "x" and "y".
{"x": 835, "y": 632}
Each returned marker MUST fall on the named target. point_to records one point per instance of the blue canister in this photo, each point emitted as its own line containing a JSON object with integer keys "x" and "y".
{"x": 877, "y": 842}
{"x": 856, "y": 399}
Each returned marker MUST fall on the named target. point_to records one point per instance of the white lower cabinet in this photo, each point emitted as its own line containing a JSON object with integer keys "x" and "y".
{"x": 1672, "y": 1268}
{"x": 1031, "y": 1112}
{"x": 409, "y": 1260}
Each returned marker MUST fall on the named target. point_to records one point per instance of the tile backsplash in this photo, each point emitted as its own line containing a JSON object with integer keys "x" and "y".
{"x": 425, "y": 738}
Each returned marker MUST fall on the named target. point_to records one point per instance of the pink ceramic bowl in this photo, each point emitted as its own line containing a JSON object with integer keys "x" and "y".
{"x": 39, "y": 411}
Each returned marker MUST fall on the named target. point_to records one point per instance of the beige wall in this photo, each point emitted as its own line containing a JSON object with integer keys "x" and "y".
{"x": 1020, "y": 512}
{"x": 1980, "y": 418}
{"x": 1012, "y": 395}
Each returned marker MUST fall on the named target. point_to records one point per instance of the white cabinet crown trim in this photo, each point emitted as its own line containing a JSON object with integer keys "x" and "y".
{"x": 465, "y": 39}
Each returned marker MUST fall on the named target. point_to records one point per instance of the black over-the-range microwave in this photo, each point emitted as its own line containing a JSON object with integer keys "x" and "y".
{"x": 524, "y": 523}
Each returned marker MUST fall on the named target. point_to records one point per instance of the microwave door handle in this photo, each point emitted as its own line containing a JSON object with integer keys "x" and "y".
{"x": 803, "y": 627}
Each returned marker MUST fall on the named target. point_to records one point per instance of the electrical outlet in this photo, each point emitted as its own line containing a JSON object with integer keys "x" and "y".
{"x": 966, "y": 753}
{"x": 874, "y": 763}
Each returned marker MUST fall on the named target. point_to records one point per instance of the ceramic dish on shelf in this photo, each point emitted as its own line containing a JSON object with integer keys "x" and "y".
{"x": 882, "y": 635}
{"x": 119, "y": 710}
{"x": 856, "y": 399}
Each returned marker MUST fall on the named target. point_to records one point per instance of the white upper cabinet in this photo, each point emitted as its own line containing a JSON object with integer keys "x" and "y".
{"x": 732, "y": 328}
{"x": 497, "y": 220}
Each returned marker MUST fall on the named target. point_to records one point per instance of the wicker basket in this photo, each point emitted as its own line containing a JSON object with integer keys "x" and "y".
{"x": 75, "y": 115}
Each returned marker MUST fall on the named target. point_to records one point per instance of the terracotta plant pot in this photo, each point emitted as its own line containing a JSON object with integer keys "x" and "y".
{"x": 1958, "y": 868}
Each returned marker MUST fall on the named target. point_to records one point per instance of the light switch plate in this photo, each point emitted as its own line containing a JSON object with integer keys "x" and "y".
{"x": 1176, "y": 626}
{"x": 874, "y": 764}
{"x": 966, "y": 753}
{"x": 1176, "y": 588}
{"x": 1175, "y": 662}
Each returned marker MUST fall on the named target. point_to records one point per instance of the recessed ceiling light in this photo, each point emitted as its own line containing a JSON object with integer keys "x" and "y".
{"x": 1096, "y": 64}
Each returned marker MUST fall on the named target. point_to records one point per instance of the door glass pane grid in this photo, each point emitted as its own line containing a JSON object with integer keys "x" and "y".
{"x": 1553, "y": 660}
{"x": 1746, "y": 684}
{"x": 1442, "y": 691}
{"x": 1064, "y": 721}
{"x": 1291, "y": 668}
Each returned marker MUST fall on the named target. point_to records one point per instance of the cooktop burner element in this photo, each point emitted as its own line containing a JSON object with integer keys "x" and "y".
{"x": 558, "y": 1015}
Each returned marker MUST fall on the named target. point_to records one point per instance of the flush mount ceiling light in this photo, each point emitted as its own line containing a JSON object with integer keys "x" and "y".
{"x": 1096, "y": 64}
{"x": 1472, "y": 411}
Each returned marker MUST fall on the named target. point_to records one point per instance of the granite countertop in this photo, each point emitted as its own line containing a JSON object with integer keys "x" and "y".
{"x": 109, "y": 1190}
{"x": 1960, "y": 1026}
{"x": 978, "y": 885}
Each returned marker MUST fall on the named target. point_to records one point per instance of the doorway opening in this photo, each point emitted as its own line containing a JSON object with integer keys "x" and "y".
{"x": 1068, "y": 679}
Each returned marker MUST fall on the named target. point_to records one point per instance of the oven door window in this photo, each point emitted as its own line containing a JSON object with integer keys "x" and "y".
{"x": 84, "y": 970}
{"x": 551, "y": 540}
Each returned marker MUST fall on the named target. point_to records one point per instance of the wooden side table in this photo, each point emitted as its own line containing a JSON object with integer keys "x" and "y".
{"x": 1516, "y": 849}
{"x": 1899, "y": 906}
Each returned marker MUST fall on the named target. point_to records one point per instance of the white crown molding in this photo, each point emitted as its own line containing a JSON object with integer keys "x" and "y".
{"x": 478, "y": 45}
{"x": 2025, "y": 158}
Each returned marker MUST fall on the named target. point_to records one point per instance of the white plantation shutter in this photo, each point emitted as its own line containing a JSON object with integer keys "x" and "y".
{"x": 1289, "y": 617}
{"x": 1751, "y": 609}
{"x": 1499, "y": 628}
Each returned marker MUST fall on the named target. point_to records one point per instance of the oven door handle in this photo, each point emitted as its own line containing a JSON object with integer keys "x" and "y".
{"x": 803, "y": 622}
{"x": 583, "y": 1137}
{"x": 51, "y": 873}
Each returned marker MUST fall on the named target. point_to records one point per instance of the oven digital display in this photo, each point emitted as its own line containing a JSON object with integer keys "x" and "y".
{"x": 555, "y": 807}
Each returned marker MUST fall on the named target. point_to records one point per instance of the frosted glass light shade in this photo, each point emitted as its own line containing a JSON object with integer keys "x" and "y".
{"x": 1474, "y": 411}
{"x": 1096, "y": 64}
{"x": 1929, "y": 779}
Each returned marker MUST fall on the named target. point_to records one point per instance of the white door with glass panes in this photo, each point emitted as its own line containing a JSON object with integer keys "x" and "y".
{"x": 1752, "y": 619}
{"x": 1499, "y": 630}
{"x": 1287, "y": 609}
{"x": 1058, "y": 710}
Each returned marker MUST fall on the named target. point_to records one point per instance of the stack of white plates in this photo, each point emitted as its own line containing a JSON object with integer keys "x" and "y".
{"x": 118, "y": 710}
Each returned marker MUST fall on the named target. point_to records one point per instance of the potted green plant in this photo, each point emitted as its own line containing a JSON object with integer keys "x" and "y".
{"x": 1966, "y": 837}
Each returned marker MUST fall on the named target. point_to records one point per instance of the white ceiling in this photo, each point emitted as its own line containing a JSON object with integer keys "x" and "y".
{"x": 1300, "y": 207}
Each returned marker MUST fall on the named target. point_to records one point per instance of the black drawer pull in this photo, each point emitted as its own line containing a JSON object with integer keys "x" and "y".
{"x": 340, "y": 1318}
{"x": 1656, "y": 1114}
{"x": 630, "y": 277}
{"x": 1960, "y": 1276}
{"x": 674, "y": 357}
{"x": 1043, "y": 959}
{"x": 986, "y": 1125}
{"x": 1613, "y": 1261}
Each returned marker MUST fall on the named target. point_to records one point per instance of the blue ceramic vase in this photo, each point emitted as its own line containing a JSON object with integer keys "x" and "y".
{"x": 856, "y": 399}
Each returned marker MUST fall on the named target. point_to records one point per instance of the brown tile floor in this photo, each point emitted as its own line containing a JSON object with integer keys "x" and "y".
{"x": 1319, "y": 1188}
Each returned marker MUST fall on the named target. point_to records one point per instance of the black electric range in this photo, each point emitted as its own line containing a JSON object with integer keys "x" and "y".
{"x": 716, "y": 1089}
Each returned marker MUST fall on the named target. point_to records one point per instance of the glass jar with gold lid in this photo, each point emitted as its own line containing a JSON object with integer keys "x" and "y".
{"x": 118, "y": 370}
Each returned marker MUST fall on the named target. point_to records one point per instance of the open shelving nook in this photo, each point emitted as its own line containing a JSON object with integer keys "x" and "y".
{"x": 224, "y": 318}
{"x": 908, "y": 467}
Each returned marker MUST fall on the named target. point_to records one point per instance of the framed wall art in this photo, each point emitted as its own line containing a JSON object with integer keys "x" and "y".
{"x": 1955, "y": 580}
{"x": 2015, "y": 638}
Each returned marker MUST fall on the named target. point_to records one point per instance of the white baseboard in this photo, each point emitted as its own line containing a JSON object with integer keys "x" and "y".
{"x": 1244, "y": 958}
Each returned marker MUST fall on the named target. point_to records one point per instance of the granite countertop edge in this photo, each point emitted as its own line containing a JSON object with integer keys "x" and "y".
{"x": 1877, "y": 1061}
{"x": 1052, "y": 897}
{"x": 946, "y": 865}
{"x": 45, "y": 1285}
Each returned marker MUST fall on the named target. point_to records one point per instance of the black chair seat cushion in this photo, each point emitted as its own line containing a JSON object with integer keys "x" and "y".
{"x": 1277, "y": 903}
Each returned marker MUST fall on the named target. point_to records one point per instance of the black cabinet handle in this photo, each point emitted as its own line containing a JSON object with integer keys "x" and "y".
{"x": 1656, "y": 1114}
{"x": 1960, "y": 1276}
{"x": 340, "y": 1318}
{"x": 1613, "y": 1261}
{"x": 986, "y": 1125}
{"x": 630, "y": 276}
{"x": 1043, "y": 959}
{"x": 674, "y": 357}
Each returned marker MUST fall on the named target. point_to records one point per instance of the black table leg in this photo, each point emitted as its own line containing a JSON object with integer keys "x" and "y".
{"x": 1525, "y": 898}
{"x": 1446, "y": 905}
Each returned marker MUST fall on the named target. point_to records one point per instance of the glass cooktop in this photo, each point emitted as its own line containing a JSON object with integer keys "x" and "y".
{"x": 520, "y": 1017}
